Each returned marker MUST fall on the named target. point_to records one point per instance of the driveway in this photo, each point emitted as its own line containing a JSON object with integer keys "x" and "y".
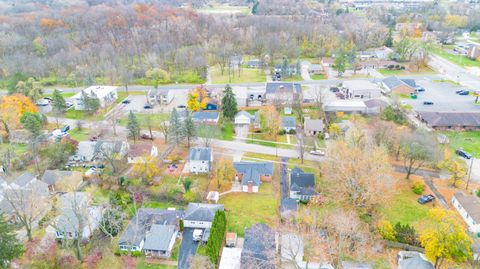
{"x": 188, "y": 248}
{"x": 284, "y": 177}
{"x": 241, "y": 131}
{"x": 304, "y": 71}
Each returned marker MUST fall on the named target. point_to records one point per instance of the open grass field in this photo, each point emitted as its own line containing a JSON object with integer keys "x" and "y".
{"x": 246, "y": 75}
{"x": 318, "y": 77}
{"x": 469, "y": 141}
{"x": 387, "y": 72}
{"x": 245, "y": 209}
{"x": 460, "y": 60}
{"x": 142, "y": 119}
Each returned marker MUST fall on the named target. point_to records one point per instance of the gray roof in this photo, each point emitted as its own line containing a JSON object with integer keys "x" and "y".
{"x": 244, "y": 113}
{"x": 252, "y": 171}
{"x": 314, "y": 125}
{"x": 288, "y": 204}
{"x": 470, "y": 203}
{"x": 415, "y": 263}
{"x": 394, "y": 82}
{"x": 144, "y": 220}
{"x": 375, "y": 103}
{"x": 273, "y": 87}
{"x": 159, "y": 237}
{"x": 53, "y": 176}
{"x": 302, "y": 182}
{"x": 200, "y": 154}
{"x": 158, "y": 92}
{"x": 70, "y": 202}
{"x": 202, "y": 212}
{"x": 86, "y": 149}
{"x": 204, "y": 116}
{"x": 445, "y": 119}
{"x": 289, "y": 122}
{"x": 259, "y": 247}
{"x": 24, "y": 179}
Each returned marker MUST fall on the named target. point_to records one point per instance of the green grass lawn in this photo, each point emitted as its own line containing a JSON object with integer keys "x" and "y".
{"x": 446, "y": 81}
{"x": 387, "y": 72}
{"x": 162, "y": 204}
{"x": 404, "y": 208}
{"x": 292, "y": 78}
{"x": 227, "y": 131}
{"x": 318, "y": 77}
{"x": 246, "y": 75}
{"x": 19, "y": 149}
{"x": 460, "y": 60}
{"x": 82, "y": 115}
{"x": 251, "y": 156}
{"x": 79, "y": 135}
{"x": 469, "y": 141}
{"x": 64, "y": 94}
{"x": 245, "y": 209}
{"x": 142, "y": 119}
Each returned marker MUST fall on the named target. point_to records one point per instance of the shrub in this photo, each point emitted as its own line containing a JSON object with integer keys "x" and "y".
{"x": 292, "y": 132}
{"x": 418, "y": 187}
{"x": 406, "y": 234}
{"x": 478, "y": 193}
{"x": 282, "y": 132}
{"x": 217, "y": 233}
{"x": 385, "y": 228}
{"x": 181, "y": 225}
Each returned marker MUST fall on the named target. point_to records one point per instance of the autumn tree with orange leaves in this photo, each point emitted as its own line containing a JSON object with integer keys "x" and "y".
{"x": 12, "y": 108}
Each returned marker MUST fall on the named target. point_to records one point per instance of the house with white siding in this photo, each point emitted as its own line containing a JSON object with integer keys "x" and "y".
{"x": 106, "y": 95}
{"x": 468, "y": 206}
{"x": 200, "y": 160}
{"x": 200, "y": 216}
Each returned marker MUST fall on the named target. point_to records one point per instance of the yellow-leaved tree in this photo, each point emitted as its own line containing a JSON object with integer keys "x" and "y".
{"x": 197, "y": 99}
{"x": 146, "y": 169}
{"x": 446, "y": 239}
{"x": 224, "y": 172}
{"x": 455, "y": 167}
{"x": 12, "y": 108}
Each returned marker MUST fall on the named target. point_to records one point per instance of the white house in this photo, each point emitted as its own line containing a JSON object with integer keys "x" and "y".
{"x": 140, "y": 151}
{"x": 200, "y": 160}
{"x": 200, "y": 216}
{"x": 468, "y": 206}
{"x": 106, "y": 95}
{"x": 241, "y": 95}
{"x": 160, "y": 96}
{"x": 243, "y": 117}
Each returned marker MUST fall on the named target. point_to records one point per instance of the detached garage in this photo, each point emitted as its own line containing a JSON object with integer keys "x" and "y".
{"x": 243, "y": 118}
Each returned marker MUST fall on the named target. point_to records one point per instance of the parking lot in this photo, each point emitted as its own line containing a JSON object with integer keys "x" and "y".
{"x": 443, "y": 96}
{"x": 138, "y": 101}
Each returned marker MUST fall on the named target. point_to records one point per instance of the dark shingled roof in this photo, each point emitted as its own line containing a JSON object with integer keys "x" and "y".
{"x": 252, "y": 171}
{"x": 273, "y": 87}
{"x": 445, "y": 119}
{"x": 146, "y": 218}
{"x": 202, "y": 212}
{"x": 259, "y": 247}
{"x": 289, "y": 122}
{"x": 301, "y": 181}
{"x": 159, "y": 237}
{"x": 394, "y": 82}
{"x": 470, "y": 203}
{"x": 199, "y": 154}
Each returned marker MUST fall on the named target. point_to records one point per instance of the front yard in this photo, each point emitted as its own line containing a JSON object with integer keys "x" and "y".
{"x": 245, "y": 209}
{"x": 246, "y": 75}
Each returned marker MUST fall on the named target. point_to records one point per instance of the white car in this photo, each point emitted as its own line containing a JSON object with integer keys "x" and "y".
{"x": 197, "y": 235}
{"x": 318, "y": 152}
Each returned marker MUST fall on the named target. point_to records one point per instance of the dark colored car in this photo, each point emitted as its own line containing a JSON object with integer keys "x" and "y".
{"x": 126, "y": 101}
{"x": 464, "y": 154}
{"x": 147, "y": 106}
{"x": 66, "y": 129}
{"x": 426, "y": 199}
{"x": 427, "y": 102}
{"x": 334, "y": 89}
{"x": 420, "y": 89}
{"x": 146, "y": 136}
{"x": 93, "y": 138}
{"x": 463, "y": 92}
{"x": 48, "y": 98}
{"x": 181, "y": 106}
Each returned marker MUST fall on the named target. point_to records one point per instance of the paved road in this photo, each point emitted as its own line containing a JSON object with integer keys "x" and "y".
{"x": 188, "y": 248}
{"x": 454, "y": 72}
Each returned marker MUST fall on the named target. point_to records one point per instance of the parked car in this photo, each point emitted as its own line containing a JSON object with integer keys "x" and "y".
{"x": 146, "y": 136}
{"x": 426, "y": 199}
{"x": 93, "y": 138}
{"x": 48, "y": 98}
{"x": 197, "y": 235}
{"x": 419, "y": 89}
{"x": 463, "y": 153}
{"x": 147, "y": 106}
{"x": 318, "y": 152}
{"x": 427, "y": 103}
{"x": 66, "y": 128}
{"x": 126, "y": 101}
{"x": 334, "y": 89}
{"x": 463, "y": 92}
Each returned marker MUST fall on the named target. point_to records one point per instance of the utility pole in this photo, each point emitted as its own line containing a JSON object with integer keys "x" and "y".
{"x": 469, "y": 173}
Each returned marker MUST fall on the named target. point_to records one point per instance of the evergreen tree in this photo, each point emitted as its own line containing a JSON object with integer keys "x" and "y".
{"x": 176, "y": 127}
{"x": 229, "y": 104}
{"x": 91, "y": 103}
{"x": 389, "y": 40}
{"x": 59, "y": 105}
{"x": 285, "y": 67}
{"x": 33, "y": 122}
{"x": 133, "y": 126}
{"x": 189, "y": 129}
{"x": 217, "y": 233}
{"x": 9, "y": 245}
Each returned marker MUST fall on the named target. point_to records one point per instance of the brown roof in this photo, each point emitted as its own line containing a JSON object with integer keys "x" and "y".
{"x": 470, "y": 203}
{"x": 445, "y": 119}
{"x": 140, "y": 149}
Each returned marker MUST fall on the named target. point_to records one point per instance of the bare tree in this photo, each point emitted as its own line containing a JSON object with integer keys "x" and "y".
{"x": 108, "y": 153}
{"x": 417, "y": 149}
{"x": 207, "y": 133}
{"x": 112, "y": 221}
{"x": 319, "y": 95}
{"x": 165, "y": 129}
{"x": 302, "y": 146}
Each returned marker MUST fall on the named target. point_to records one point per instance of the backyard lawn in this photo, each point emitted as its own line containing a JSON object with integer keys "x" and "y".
{"x": 246, "y": 75}
{"x": 469, "y": 141}
{"x": 142, "y": 119}
{"x": 245, "y": 209}
{"x": 227, "y": 131}
{"x": 79, "y": 135}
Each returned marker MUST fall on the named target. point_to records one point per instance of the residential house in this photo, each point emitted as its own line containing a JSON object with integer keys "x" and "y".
{"x": 379, "y": 64}
{"x": 200, "y": 216}
{"x": 243, "y": 118}
{"x": 474, "y": 52}
{"x": 315, "y": 69}
{"x": 361, "y": 89}
{"x": 302, "y": 185}
{"x": 259, "y": 248}
{"x": 289, "y": 123}
{"x": 200, "y": 160}
{"x": 62, "y": 181}
{"x": 451, "y": 120}
{"x": 77, "y": 218}
{"x": 375, "y": 106}
{"x": 236, "y": 60}
{"x": 138, "y": 153}
{"x": 377, "y": 53}
{"x": 206, "y": 117}
{"x": 107, "y": 95}
{"x": 256, "y": 97}
{"x": 159, "y": 241}
{"x": 254, "y": 63}
{"x": 85, "y": 152}
{"x": 160, "y": 96}
{"x": 346, "y": 106}
{"x": 23, "y": 180}
{"x": 89, "y": 151}
{"x": 468, "y": 206}
{"x": 313, "y": 127}
{"x": 290, "y": 70}
{"x": 328, "y": 62}
{"x": 133, "y": 238}
{"x": 413, "y": 260}
{"x": 251, "y": 174}
{"x": 282, "y": 92}
{"x": 241, "y": 96}
{"x": 292, "y": 253}
{"x": 399, "y": 86}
